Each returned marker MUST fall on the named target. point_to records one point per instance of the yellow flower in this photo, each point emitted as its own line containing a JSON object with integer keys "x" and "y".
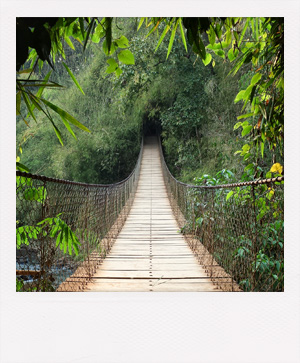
{"x": 276, "y": 168}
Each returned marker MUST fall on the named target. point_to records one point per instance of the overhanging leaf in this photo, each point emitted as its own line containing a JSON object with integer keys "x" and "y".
{"x": 73, "y": 77}
{"x": 140, "y": 23}
{"x": 172, "y": 38}
{"x": 246, "y": 130}
{"x": 245, "y": 116}
{"x": 162, "y": 36}
{"x": 182, "y": 34}
{"x": 239, "y": 96}
{"x": 68, "y": 41}
{"x": 122, "y": 42}
{"x": 207, "y": 59}
{"x": 68, "y": 127}
{"x": 255, "y": 78}
{"x": 18, "y": 102}
{"x": 65, "y": 115}
{"x": 126, "y": 57}
{"x": 113, "y": 65}
{"x": 22, "y": 167}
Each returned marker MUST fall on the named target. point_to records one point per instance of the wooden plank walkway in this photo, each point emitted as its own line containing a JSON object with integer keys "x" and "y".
{"x": 150, "y": 254}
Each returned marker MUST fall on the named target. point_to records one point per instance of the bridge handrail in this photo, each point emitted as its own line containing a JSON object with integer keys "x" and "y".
{"x": 66, "y": 228}
{"x": 236, "y": 230}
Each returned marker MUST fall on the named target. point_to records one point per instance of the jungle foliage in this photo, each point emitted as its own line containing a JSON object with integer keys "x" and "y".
{"x": 193, "y": 103}
{"x": 213, "y": 87}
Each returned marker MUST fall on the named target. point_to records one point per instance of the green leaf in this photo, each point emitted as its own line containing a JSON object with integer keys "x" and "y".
{"x": 122, "y": 42}
{"x": 18, "y": 103}
{"x": 98, "y": 33}
{"x": 245, "y": 116}
{"x": 57, "y": 132}
{"x": 141, "y": 23}
{"x": 262, "y": 147}
{"x": 68, "y": 127}
{"x": 113, "y": 65}
{"x": 22, "y": 167}
{"x": 214, "y": 47}
{"x": 126, "y": 57}
{"x": 68, "y": 41}
{"x": 237, "y": 125}
{"x": 207, "y": 59}
{"x": 246, "y": 148}
{"x": 65, "y": 115}
{"x": 31, "y": 194}
{"x": 232, "y": 54}
{"x": 41, "y": 89}
{"x": 72, "y": 76}
{"x": 172, "y": 38}
{"x": 81, "y": 27}
{"x": 105, "y": 48}
{"x": 247, "y": 92}
{"x": 243, "y": 32}
{"x": 246, "y": 130}
{"x": 255, "y": 78}
{"x": 220, "y": 53}
{"x": 162, "y": 36}
{"x": 29, "y": 107}
{"x": 90, "y": 30}
{"x": 118, "y": 72}
{"x": 199, "y": 48}
{"x": 229, "y": 194}
{"x": 239, "y": 96}
{"x": 211, "y": 35}
{"x": 182, "y": 35}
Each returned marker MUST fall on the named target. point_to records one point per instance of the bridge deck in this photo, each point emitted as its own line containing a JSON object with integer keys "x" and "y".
{"x": 150, "y": 254}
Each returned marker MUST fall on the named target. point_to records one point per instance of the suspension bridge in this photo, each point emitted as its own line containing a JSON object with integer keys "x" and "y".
{"x": 148, "y": 232}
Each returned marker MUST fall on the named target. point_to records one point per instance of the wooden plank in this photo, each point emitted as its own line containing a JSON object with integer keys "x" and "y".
{"x": 150, "y": 254}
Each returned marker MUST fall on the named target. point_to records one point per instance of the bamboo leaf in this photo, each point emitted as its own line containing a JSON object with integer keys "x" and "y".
{"x": 182, "y": 34}
{"x": 26, "y": 99}
{"x": 245, "y": 116}
{"x": 141, "y": 23}
{"x": 65, "y": 115}
{"x": 40, "y": 91}
{"x": 68, "y": 41}
{"x": 73, "y": 77}
{"x": 162, "y": 36}
{"x": 81, "y": 27}
{"x": 25, "y": 71}
{"x": 262, "y": 148}
{"x": 22, "y": 167}
{"x": 172, "y": 38}
{"x": 90, "y": 30}
{"x": 243, "y": 32}
{"x": 18, "y": 103}
{"x": 68, "y": 127}
{"x": 229, "y": 194}
{"x": 58, "y": 134}
{"x": 239, "y": 96}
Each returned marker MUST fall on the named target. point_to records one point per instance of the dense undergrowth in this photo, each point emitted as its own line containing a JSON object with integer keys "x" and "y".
{"x": 192, "y": 103}
{"x": 196, "y": 109}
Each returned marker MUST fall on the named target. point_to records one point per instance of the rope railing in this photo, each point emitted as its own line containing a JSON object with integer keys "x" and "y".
{"x": 235, "y": 230}
{"x": 65, "y": 229}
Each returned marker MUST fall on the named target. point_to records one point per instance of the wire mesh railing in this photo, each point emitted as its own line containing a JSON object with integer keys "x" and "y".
{"x": 235, "y": 230}
{"x": 65, "y": 229}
